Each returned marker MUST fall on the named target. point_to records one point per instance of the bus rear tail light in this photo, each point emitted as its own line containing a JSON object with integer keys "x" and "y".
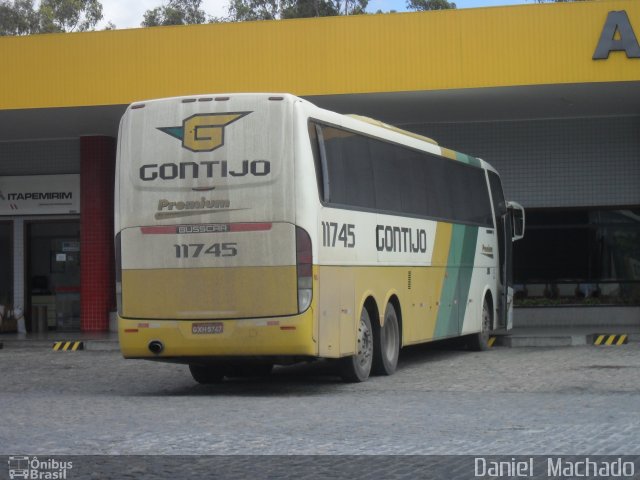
{"x": 304, "y": 269}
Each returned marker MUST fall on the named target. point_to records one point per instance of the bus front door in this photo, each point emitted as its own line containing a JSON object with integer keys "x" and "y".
{"x": 510, "y": 229}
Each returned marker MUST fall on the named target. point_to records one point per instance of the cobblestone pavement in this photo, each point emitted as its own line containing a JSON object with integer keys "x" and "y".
{"x": 562, "y": 401}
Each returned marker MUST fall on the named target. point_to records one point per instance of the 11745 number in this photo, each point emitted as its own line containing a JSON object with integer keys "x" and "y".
{"x": 333, "y": 233}
{"x": 194, "y": 250}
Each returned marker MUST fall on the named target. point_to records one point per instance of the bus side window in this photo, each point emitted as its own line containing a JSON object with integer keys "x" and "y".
{"x": 319, "y": 161}
{"x": 498, "y": 197}
{"x": 348, "y": 167}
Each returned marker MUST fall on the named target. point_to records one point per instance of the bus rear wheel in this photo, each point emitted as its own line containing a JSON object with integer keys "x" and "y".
{"x": 480, "y": 341}
{"x": 387, "y": 344}
{"x": 206, "y": 375}
{"x": 249, "y": 370}
{"x": 357, "y": 368}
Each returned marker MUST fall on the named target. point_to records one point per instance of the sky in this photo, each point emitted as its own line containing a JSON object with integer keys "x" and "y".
{"x": 129, "y": 14}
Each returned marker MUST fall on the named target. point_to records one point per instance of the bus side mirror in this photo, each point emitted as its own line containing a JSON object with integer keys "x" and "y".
{"x": 516, "y": 211}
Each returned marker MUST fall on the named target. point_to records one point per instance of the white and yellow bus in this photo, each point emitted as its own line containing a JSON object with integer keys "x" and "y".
{"x": 257, "y": 229}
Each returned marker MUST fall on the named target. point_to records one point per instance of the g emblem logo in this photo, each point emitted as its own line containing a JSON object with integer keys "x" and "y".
{"x": 203, "y": 132}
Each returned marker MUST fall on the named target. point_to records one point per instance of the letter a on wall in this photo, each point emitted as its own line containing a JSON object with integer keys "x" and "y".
{"x": 617, "y": 25}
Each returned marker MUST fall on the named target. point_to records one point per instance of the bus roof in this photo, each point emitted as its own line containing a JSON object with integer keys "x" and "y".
{"x": 293, "y": 98}
{"x": 373, "y": 121}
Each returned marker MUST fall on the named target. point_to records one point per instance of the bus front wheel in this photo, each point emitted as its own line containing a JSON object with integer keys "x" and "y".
{"x": 480, "y": 341}
{"x": 357, "y": 368}
{"x": 387, "y": 344}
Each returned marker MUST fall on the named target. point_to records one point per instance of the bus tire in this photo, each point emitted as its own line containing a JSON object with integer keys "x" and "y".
{"x": 249, "y": 371}
{"x": 206, "y": 375}
{"x": 387, "y": 344}
{"x": 356, "y": 368}
{"x": 480, "y": 341}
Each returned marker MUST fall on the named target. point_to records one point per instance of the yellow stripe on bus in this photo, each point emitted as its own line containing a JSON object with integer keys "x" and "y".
{"x": 444, "y": 232}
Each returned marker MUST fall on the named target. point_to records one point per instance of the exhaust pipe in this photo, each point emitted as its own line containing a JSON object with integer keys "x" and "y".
{"x": 156, "y": 347}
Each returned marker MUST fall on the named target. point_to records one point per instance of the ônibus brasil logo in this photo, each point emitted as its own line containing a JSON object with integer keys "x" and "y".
{"x": 203, "y": 132}
{"x": 22, "y": 466}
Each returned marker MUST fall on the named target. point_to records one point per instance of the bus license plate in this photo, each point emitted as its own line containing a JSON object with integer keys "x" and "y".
{"x": 207, "y": 328}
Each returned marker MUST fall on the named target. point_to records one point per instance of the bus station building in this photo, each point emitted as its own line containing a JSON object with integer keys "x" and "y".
{"x": 549, "y": 94}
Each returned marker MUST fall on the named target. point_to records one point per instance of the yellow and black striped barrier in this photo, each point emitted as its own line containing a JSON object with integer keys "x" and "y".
{"x": 605, "y": 339}
{"x": 68, "y": 346}
{"x": 491, "y": 341}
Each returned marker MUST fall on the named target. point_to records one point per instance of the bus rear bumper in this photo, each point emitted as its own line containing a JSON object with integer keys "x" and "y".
{"x": 280, "y": 336}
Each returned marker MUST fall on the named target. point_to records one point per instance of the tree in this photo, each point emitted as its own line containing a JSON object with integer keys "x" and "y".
{"x": 176, "y": 12}
{"x": 18, "y": 18}
{"x": 69, "y": 15}
{"x": 243, "y": 10}
{"x": 422, "y": 5}
{"x": 247, "y": 10}
{"x": 351, "y": 7}
{"x": 309, "y": 8}
{"x": 21, "y": 17}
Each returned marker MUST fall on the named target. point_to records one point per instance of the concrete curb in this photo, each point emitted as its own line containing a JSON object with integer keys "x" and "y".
{"x": 542, "y": 341}
{"x": 516, "y": 340}
{"x": 102, "y": 346}
{"x": 550, "y": 340}
{"x": 89, "y": 345}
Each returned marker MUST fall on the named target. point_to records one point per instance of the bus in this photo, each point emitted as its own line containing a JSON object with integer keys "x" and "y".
{"x": 255, "y": 230}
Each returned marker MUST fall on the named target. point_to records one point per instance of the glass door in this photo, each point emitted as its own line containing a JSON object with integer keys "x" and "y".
{"x": 6, "y": 276}
{"x": 54, "y": 275}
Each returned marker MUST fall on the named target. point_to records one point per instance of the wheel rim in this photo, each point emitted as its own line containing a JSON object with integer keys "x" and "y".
{"x": 486, "y": 319}
{"x": 365, "y": 345}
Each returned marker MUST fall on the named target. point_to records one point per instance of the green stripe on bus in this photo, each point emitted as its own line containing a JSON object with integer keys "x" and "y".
{"x": 457, "y": 280}
{"x": 447, "y": 322}
{"x": 469, "y": 160}
{"x": 466, "y": 271}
